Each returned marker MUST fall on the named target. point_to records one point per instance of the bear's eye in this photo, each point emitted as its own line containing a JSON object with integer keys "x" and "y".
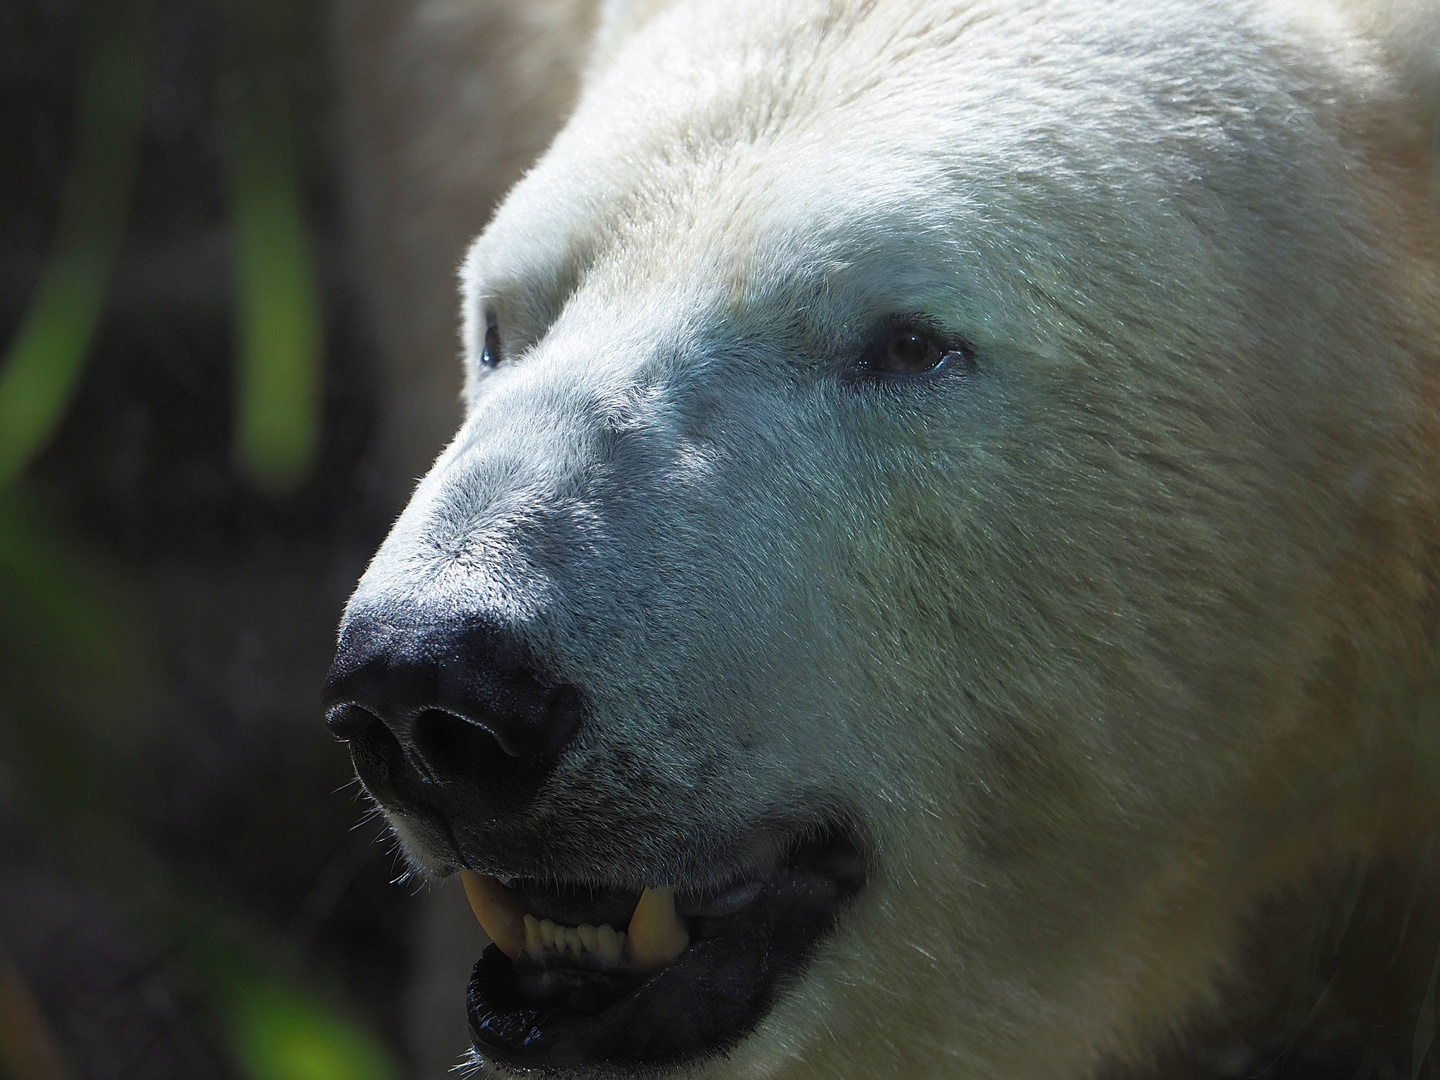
{"x": 903, "y": 348}
{"x": 490, "y": 355}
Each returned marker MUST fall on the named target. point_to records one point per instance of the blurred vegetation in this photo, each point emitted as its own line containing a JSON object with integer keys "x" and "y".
{"x": 91, "y": 714}
{"x": 42, "y": 367}
{"x": 279, "y": 347}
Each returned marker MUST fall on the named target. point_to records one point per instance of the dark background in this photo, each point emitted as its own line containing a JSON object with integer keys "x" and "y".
{"x": 189, "y": 882}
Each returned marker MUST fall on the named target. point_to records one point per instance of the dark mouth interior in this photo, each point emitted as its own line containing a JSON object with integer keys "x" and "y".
{"x": 745, "y": 940}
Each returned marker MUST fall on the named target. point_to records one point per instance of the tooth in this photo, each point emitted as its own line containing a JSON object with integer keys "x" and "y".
{"x": 608, "y": 943}
{"x": 547, "y": 933}
{"x": 587, "y": 936}
{"x": 572, "y": 941}
{"x": 499, "y": 914}
{"x": 532, "y": 935}
{"x": 656, "y": 934}
{"x": 620, "y": 938}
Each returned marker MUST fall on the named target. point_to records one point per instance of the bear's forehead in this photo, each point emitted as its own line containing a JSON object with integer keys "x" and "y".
{"x": 696, "y": 160}
{"x": 706, "y": 84}
{"x": 691, "y": 120}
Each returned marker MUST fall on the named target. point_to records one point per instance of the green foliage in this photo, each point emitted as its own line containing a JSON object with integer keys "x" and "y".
{"x": 279, "y": 1035}
{"x": 279, "y": 342}
{"x": 74, "y": 672}
{"x": 78, "y": 691}
{"x": 45, "y": 361}
{"x": 279, "y": 339}
{"x": 81, "y": 696}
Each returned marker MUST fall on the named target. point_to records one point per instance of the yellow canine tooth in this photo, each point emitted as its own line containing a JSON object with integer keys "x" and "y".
{"x": 500, "y": 916}
{"x": 657, "y": 935}
{"x": 533, "y": 944}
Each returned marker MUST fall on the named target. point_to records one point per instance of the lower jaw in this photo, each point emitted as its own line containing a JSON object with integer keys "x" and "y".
{"x": 699, "y": 1005}
{"x": 652, "y": 1024}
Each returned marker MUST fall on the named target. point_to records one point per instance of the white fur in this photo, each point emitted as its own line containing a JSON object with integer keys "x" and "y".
{"x": 1082, "y": 639}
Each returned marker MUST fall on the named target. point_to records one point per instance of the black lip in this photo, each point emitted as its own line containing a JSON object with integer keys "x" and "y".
{"x": 701, "y": 1004}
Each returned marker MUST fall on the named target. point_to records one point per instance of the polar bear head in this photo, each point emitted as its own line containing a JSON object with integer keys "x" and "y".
{"x": 927, "y": 468}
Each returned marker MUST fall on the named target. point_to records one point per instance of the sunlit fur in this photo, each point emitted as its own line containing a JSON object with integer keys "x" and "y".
{"x": 1099, "y": 642}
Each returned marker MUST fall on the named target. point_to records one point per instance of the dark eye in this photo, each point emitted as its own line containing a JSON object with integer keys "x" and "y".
{"x": 490, "y": 356}
{"x": 901, "y": 349}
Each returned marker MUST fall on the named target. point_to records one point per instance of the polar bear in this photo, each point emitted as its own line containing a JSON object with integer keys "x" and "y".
{"x": 938, "y": 573}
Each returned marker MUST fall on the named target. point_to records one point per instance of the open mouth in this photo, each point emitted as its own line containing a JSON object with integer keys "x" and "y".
{"x": 654, "y": 976}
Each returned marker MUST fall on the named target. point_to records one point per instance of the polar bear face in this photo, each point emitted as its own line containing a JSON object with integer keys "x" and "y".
{"x": 915, "y": 461}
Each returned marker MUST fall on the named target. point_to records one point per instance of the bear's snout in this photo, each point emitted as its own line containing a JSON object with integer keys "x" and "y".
{"x": 449, "y": 720}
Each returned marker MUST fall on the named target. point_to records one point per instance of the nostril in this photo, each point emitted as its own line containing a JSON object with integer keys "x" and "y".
{"x": 451, "y": 718}
{"x": 457, "y": 746}
{"x": 347, "y": 720}
{"x": 379, "y": 761}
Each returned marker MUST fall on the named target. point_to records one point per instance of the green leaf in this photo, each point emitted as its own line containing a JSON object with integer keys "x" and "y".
{"x": 278, "y": 1035}
{"x": 280, "y": 342}
{"x": 43, "y": 367}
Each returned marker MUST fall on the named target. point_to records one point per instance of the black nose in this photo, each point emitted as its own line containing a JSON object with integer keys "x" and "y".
{"x": 447, "y": 717}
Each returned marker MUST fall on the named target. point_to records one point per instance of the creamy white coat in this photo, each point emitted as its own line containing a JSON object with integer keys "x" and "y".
{"x": 1100, "y": 641}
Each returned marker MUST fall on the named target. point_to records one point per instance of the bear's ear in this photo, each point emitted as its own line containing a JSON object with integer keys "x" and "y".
{"x": 619, "y": 19}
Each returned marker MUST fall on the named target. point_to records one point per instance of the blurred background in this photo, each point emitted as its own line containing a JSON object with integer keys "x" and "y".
{"x": 227, "y": 349}
{"x": 228, "y": 239}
